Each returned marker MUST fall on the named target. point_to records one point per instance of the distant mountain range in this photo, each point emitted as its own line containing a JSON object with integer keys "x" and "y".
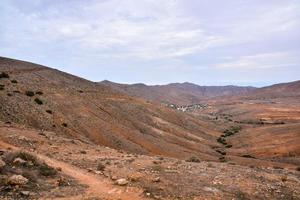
{"x": 178, "y": 93}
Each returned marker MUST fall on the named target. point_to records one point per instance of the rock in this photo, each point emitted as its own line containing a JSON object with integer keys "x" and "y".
{"x": 19, "y": 161}
{"x": 25, "y": 193}
{"x": 17, "y": 180}
{"x": 2, "y": 163}
{"x": 156, "y": 180}
{"x": 121, "y": 182}
{"x": 114, "y": 178}
{"x": 98, "y": 172}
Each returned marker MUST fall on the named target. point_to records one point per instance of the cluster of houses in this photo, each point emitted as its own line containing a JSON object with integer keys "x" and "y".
{"x": 187, "y": 108}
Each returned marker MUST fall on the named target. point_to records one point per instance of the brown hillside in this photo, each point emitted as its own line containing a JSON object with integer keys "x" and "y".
{"x": 82, "y": 109}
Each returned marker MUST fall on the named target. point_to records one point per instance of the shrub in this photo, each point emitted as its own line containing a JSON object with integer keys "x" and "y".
{"x": 80, "y": 91}
{"x": 157, "y": 168}
{"x": 14, "y": 81}
{"x": 221, "y": 152}
{"x": 2, "y": 87}
{"x": 222, "y": 140}
{"x": 49, "y": 111}
{"x": 39, "y": 93}
{"x": 10, "y": 157}
{"x": 298, "y": 168}
{"x": 29, "y": 93}
{"x": 16, "y": 91}
{"x": 222, "y": 159}
{"x": 4, "y": 75}
{"x": 64, "y": 124}
{"x": 247, "y": 156}
{"x": 193, "y": 159}
{"x": 38, "y": 101}
{"x": 9, "y": 94}
{"x": 228, "y": 146}
{"x": 100, "y": 167}
{"x": 46, "y": 170}
{"x": 83, "y": 152}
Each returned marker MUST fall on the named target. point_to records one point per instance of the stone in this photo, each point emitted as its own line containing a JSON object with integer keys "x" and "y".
{"x": 114, "y": 178}
{"x": 156, "y": 180}
{"x": 121, "y": 182}
{"x": 99, "y": 172}
{"x": 19, "y": 161}
{"x": 17, "y": 180}
{"x": 25, "y": 193}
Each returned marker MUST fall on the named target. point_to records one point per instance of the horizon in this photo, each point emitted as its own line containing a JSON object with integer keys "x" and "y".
{"x": 208, "y": 43}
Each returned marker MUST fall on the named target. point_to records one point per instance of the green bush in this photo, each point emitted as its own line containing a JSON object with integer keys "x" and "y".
{"x": 29, "y": 93}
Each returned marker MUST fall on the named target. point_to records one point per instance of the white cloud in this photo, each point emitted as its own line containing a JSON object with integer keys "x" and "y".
{"x": 169, "y": 34}
{"x": 262, "y": 61}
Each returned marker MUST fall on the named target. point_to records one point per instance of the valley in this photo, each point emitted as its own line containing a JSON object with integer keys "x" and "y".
{"x": 179, "y": 141}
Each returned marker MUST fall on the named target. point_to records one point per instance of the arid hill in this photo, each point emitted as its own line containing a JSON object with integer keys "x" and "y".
{"x": 177, "y": 93}
{"x": 282, "y": 90}
{"x": 47, "y": 99}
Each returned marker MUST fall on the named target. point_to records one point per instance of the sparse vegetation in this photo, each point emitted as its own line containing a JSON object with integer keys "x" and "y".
{"x": 4, "y": 75}
{"x": 222, "y": 159}
{"x": 39, "y": 93}
{"x": 29, "y": 93}
{"x": 38, "y": 101}
{"x": 100, "y": 167}
{"x": 49, "y": 111}
{"x": 247, "y": 156}
{"x": 157, "y": 168}
{"x": 193, "y": 159}
{"x": 222, "y": 140}
{"x": 46, "y": 170}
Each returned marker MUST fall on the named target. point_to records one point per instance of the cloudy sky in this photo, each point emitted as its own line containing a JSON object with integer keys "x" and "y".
{"x": 208, "y": 42}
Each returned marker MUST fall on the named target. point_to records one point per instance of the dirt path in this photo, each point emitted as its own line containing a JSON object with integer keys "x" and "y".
{"x": 97, "y": 186}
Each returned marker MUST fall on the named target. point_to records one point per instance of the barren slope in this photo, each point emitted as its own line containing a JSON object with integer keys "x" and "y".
{"x": 82, "y": 109}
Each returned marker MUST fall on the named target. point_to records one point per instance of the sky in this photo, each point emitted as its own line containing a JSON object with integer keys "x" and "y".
{"x": 207, "y": 42}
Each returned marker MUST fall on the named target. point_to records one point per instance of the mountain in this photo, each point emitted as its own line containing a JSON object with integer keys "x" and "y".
{"x": 177, "y": 93}
{"x": 48, "y": 99}
{"x": 281, "y": 90}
